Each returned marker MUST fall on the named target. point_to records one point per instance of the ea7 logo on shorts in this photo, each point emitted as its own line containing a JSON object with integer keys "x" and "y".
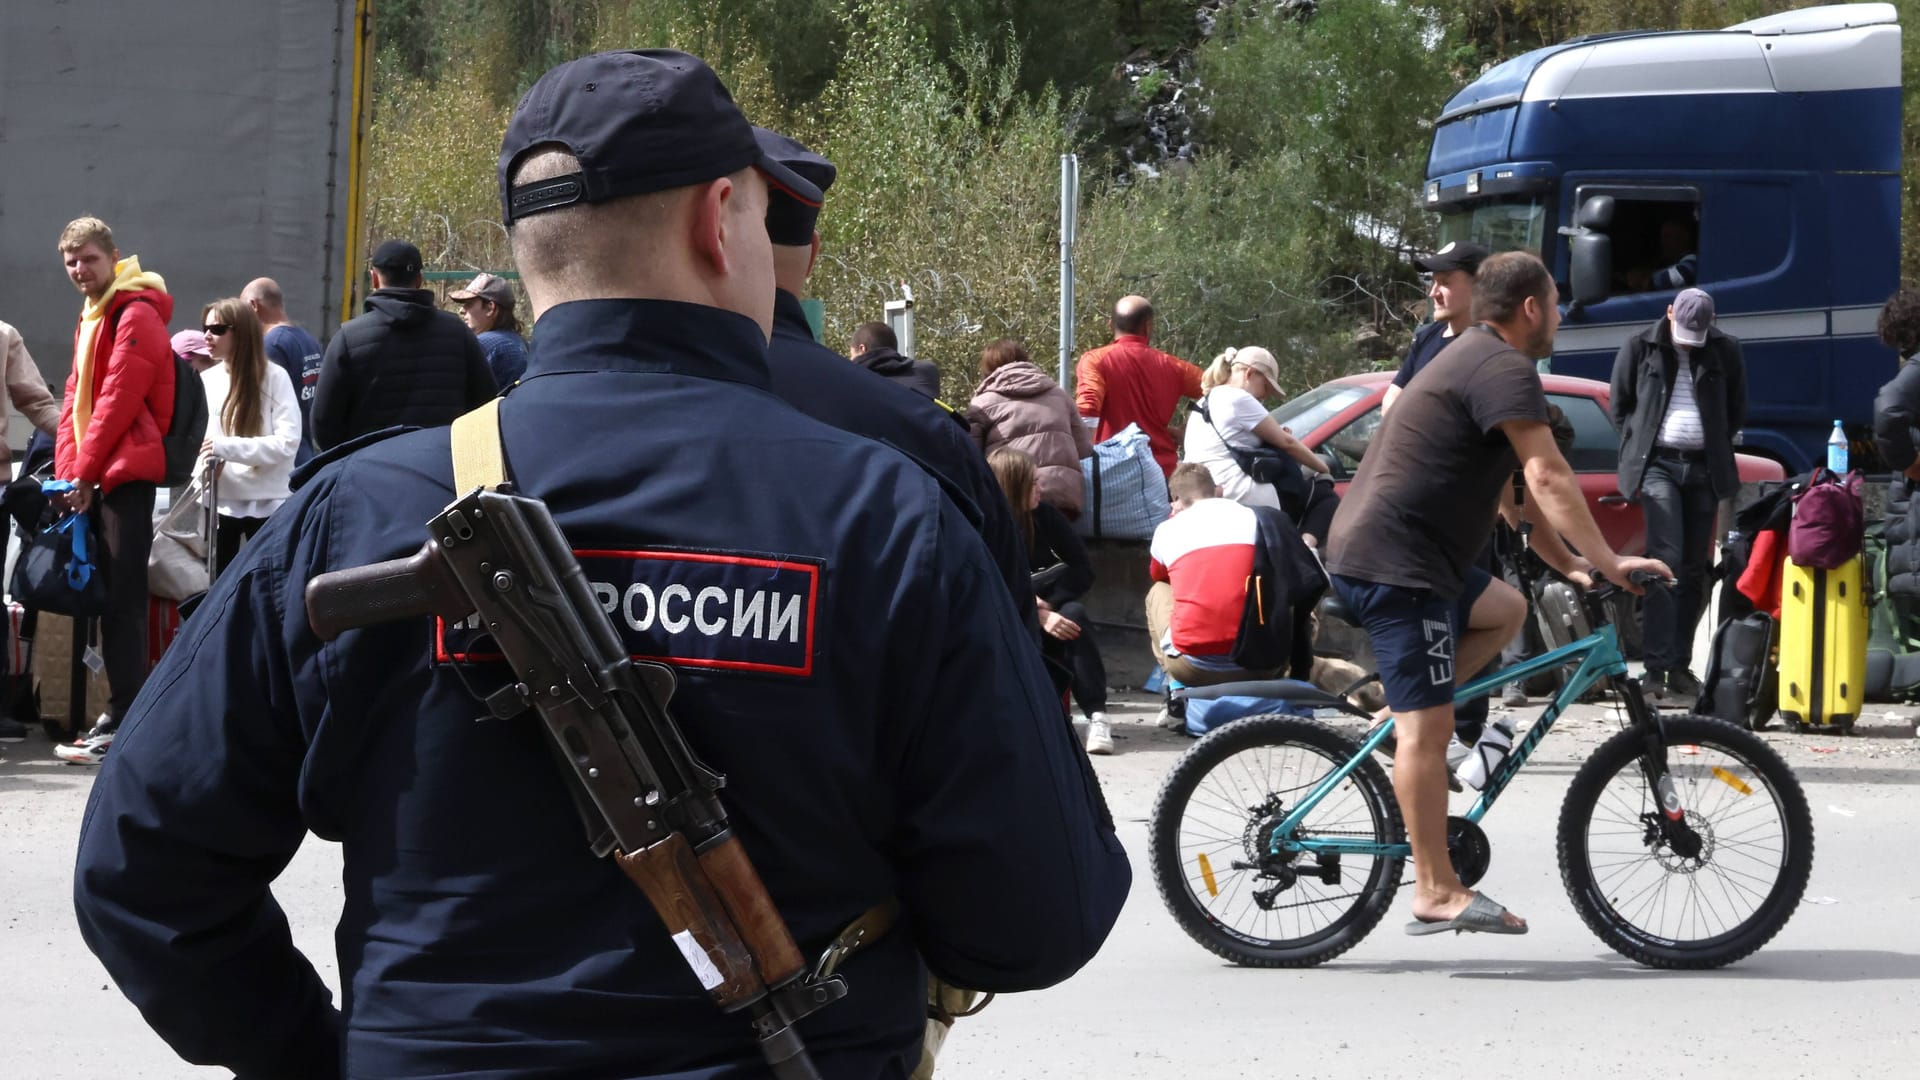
{"x": 691, "y": 609}
{"x": 1439, "y": 634}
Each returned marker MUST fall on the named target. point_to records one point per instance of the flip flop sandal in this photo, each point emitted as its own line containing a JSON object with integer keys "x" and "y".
{"x": 1481, "y": 916}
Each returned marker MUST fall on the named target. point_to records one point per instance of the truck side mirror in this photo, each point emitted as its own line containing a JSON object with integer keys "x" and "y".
{"x": 1595, "y": 214}
{"x": 1591, "y": 267}
{"x": 1590, "y": 252}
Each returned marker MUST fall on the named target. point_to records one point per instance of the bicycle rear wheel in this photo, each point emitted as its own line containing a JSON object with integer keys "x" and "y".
{"x": 1664, "y": 909}
{"x": 1212, "y": 831}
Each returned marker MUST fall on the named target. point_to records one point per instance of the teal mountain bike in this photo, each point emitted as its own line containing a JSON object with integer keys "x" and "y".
{"x": 1684, "y": 841}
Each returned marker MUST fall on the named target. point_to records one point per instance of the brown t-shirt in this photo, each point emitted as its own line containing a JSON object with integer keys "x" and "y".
{"x": 1427, "y": 491}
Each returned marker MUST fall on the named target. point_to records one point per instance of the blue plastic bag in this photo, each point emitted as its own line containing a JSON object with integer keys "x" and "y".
{"x": 1206, "y": 714}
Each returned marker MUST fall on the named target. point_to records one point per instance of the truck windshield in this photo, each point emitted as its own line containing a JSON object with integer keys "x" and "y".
{"x": 1516, "y": 225}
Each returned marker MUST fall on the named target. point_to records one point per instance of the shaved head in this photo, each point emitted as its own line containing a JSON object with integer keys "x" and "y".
{"x": 1133, "y": 315}
{"x": 264, "y": 296}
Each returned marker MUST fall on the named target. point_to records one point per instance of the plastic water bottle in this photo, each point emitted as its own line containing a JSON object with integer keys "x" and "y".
{"x": 1837, "y": 450}
{"x": 1485, "y": 757}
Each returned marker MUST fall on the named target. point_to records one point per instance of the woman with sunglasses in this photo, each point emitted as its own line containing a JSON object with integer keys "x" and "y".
{"x": 253, "y": 424}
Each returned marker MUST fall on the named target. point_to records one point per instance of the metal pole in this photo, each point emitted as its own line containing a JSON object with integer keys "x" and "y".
{"x": 1069, "y": 226}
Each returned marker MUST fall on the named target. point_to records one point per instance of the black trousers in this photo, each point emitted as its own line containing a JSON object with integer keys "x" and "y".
{"x": 229, "y": 534}
{"x": 126, "y": 525}
{"x": 1081, "y": 657}
{"x": 1677, "y": 496}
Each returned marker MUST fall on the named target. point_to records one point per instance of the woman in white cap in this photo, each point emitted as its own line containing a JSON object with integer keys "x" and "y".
{"x": 1230, "y": 416}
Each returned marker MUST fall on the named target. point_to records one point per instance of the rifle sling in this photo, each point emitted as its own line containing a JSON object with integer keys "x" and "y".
{"x": 478, "y": 460}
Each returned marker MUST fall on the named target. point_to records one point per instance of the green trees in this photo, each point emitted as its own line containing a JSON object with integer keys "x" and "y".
{"x": 1287, "y": 227}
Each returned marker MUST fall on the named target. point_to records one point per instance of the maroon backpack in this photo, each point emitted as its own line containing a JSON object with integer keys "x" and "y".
{"x": 1828, "y": 526}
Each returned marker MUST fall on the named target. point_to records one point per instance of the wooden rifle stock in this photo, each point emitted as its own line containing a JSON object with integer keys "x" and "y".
{"x": 760, "y": 924}
{"x": 671, "y": 876}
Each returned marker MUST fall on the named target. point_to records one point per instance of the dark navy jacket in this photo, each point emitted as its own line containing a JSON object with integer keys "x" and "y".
{"x": 836, "y": 391}
{"x": 847, "y": 657}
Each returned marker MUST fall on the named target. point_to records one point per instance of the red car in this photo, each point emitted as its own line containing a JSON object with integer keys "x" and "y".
{"x": 1338, "y": 419}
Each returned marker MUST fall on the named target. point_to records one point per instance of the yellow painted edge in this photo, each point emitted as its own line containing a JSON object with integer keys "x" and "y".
{"x": 356, "y": 154}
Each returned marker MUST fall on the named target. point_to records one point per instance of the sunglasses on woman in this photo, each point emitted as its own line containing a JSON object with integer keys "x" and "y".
{"x": 216, "y": 329}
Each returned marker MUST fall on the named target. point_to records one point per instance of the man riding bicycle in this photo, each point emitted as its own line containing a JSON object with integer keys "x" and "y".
{"x": 1403, "y": 545}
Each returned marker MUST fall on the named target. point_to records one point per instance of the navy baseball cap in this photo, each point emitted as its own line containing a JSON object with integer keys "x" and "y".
{"x": 640, "y": 121}
{"x": 790, "y": 221}
{"x": 1459, "y": 255}
{"x": 397, "y": 258}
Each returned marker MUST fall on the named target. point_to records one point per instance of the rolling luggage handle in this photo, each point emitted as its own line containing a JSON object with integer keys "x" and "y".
{"x": 210, "y": 514}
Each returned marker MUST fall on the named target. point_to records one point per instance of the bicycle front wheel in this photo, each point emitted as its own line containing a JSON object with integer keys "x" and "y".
{"x": 1695, "y": 909}
{"x": 1213, "y": 835}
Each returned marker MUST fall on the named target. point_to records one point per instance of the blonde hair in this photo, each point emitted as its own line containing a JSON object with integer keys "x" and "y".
{"x": 1191, "y": 482}
{"x": 86, "y": 230}
{"x": 1219, "y": 371}
{"x": 1018, "y": 476}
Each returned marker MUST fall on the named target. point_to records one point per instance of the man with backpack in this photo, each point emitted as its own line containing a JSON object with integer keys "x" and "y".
{"x": 110, "y": 446}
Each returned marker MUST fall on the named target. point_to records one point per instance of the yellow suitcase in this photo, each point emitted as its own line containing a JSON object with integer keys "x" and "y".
{"x": 1823, "y": 644}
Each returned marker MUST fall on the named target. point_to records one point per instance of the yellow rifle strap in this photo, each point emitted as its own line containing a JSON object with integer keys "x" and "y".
{"x": 477, "y": 460}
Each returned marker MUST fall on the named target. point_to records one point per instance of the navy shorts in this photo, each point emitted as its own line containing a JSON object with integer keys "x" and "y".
{"x": 1413, "y": 633}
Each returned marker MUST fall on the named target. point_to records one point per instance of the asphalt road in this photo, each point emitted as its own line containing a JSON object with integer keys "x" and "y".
{"x": 1829, "y": 997}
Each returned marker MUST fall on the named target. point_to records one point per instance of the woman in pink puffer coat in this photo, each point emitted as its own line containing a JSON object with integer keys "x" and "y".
{"x": 1020, "y": 406}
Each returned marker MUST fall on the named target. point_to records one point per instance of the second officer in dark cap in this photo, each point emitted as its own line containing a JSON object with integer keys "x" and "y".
{"x": 824, "y": 385}
{"x": 842, "y": 641}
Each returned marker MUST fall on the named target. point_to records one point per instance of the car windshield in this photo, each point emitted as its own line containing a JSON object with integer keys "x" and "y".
{"x": 1502, "y": 226}
{"x": 1304, "y": 414}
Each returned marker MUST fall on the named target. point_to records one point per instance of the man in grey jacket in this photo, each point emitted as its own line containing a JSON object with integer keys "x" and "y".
{"x": 1679, "y": 396}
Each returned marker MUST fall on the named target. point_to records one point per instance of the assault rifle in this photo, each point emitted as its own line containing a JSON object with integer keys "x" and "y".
{"x": 642, "y": 793}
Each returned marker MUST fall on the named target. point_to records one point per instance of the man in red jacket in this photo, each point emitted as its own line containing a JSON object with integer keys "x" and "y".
{"x": 1130, "y": 382}
{"x": 118, "y": 404}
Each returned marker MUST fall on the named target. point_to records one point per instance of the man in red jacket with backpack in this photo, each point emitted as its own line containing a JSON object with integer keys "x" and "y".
{"x": 118, "y": 404}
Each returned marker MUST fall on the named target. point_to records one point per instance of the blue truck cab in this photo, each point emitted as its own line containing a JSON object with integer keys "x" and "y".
{"x": 1760, "y": 162}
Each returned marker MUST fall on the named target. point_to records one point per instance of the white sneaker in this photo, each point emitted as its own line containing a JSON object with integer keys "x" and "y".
{"x": 1099, "y": 734}
{"x": 1457, "y": 752}
{"x": 86, "y": 750}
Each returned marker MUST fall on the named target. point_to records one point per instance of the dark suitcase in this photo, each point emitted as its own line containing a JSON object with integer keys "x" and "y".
{"x": 1741, "y": 686}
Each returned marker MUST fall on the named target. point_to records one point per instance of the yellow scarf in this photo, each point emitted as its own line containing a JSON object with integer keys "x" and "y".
{"x": 127, "y": 275}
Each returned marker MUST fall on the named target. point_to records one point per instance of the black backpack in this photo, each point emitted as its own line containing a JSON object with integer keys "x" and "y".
{"x": 188, "y": 429}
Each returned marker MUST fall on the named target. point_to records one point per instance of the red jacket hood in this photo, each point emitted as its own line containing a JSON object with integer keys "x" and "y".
{"x": 162, "y": 302}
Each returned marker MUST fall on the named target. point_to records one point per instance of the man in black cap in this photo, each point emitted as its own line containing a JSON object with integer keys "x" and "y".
{"x": 821, "y": 383}
{"x": 402, "y": 362}
{"x": 840, "y": 637}
{"x": 1451, "y": 291}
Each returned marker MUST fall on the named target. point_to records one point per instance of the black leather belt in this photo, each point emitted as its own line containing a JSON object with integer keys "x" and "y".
{"x": 1678, "y": 454}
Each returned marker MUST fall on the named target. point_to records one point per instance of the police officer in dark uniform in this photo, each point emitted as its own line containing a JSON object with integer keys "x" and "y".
{"x": 834, "y": 390}
{"x": 839, "y": 632}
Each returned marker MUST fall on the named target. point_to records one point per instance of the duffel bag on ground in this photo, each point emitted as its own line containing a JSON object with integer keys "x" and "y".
{"x": 1741, "y": 684}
